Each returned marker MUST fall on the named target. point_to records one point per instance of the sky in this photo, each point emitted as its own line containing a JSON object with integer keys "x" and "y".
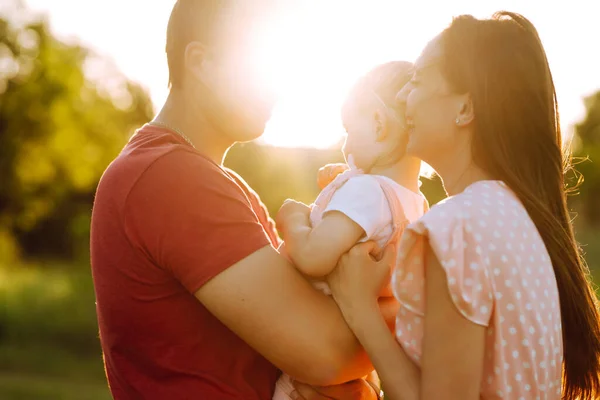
{"x": 345, "y": 39}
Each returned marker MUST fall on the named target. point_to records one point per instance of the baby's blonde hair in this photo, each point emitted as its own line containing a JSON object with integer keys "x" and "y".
{"x": 385, "y": 81}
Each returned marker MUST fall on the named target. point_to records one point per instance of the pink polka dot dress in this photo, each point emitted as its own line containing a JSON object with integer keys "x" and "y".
{"x": 499, "y": 276}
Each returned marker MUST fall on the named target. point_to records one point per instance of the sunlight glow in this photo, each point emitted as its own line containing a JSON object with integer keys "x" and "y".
{"x": 312, "y": 69}
{"x": 311, "y": 65}
{"x": 311, "y": 51}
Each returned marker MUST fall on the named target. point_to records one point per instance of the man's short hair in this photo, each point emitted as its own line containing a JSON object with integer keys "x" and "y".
{"x": 191, "y": 20}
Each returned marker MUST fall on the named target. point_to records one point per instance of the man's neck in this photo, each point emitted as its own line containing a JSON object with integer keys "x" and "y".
{"x": 405, "y": 172}
{"x": 187, "y": 116}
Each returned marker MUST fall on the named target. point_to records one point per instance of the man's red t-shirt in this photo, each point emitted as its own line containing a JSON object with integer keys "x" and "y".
{"x": 165, "y": 221}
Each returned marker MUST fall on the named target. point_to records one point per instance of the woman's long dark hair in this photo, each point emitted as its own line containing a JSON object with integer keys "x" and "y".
{"x": 502, "y": 64}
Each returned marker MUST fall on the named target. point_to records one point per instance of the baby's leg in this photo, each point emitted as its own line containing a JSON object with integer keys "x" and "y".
{"x": 283, "y": 388}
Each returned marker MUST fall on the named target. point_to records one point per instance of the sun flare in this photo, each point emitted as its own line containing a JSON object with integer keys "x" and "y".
{"x": 311, "y": 51}
{"x": 311, "y": 70}
{"x": 310, "y": 55}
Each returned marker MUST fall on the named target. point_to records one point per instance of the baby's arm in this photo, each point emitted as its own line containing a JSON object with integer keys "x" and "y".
{"x": 357, "y": 209}
{"x": 315, "y": 251}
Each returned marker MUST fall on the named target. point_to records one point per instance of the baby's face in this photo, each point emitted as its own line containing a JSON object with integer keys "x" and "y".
{"x": 372, "y": 132}
{"x": 361, "y": 137}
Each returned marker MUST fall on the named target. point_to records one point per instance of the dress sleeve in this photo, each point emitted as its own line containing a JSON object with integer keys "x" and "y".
{"x": 453, "y": 239}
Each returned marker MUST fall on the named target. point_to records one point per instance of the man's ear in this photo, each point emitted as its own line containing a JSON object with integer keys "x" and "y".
{"x": 195, "y": 59}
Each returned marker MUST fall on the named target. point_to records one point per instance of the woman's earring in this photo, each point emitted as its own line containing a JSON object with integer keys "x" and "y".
{"x": 457, "y": 121}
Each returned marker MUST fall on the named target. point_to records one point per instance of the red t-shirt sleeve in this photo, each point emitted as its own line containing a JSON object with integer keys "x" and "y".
{"x": 190, "y": 218}
{"x": 260, "y": 208}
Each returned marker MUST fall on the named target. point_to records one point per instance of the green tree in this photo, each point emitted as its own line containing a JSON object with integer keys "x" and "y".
{"x": 587, "y": 147}
{"x": 59, "y": 129}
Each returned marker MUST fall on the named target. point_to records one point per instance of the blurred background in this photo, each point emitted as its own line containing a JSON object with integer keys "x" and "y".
{"x": 77, "y": 78}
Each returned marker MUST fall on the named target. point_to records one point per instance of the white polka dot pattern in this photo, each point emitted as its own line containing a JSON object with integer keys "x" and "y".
{"x": 499, "y": 276}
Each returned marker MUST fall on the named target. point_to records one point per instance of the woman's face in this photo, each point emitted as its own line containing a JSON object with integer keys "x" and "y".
{"x": 432, "y": 109}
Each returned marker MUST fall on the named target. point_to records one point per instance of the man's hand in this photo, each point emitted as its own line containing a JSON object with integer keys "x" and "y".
{"x": 328, "y": 173}
{"x": 358, "y": 389}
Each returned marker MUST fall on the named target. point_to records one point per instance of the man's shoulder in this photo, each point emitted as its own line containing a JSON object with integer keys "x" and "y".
{"x": 154, "y": 150}
{"x": 235, "y": 176}
{"x": 150, "y": 158}
{"x": 241, "y": 182}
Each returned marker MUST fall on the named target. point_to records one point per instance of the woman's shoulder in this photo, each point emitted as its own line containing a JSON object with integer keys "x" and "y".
{"x": 459, "y": 231}
{"x": 477, "y": 202}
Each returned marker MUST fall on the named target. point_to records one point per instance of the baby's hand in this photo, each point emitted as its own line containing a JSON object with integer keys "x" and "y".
{"x": 289, "y": 209}
{"x": 328, "y": 173}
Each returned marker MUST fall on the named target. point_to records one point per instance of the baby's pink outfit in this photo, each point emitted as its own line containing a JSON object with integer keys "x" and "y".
{"x": 378, "y": 204}
{"x": 499, "y": 276}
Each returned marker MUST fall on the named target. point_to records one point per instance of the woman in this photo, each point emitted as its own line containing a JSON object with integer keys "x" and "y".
{"x": 495, "y": 301}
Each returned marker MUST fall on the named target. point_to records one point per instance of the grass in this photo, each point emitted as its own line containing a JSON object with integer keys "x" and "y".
{"x": 30, "y": 387}
{"x": 49, "y": 347}
{"x": 38, "y": 371}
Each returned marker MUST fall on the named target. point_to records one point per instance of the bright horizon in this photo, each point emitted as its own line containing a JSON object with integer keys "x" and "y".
{"x": 349, "y": 39}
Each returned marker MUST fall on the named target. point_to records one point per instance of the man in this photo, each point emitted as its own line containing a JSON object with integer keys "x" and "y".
{"x": 193, "y": 300}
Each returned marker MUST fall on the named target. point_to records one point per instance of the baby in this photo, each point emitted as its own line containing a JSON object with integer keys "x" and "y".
{"x": 373, "y": 199}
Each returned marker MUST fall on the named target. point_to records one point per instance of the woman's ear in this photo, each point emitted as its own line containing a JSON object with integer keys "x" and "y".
{"x": 381, "y": 125}
{"x": 466, "y": 113}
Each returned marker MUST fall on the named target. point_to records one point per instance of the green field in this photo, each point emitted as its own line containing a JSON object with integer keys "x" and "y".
{"x": 48, "y": 335}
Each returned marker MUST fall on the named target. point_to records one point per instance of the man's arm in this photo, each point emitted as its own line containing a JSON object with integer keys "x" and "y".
{"x": 197, "y": 224}
{"x": 265, "y": 301}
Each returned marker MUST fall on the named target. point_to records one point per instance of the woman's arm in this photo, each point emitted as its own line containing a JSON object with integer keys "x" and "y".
{"x": 400, "y": 376}
{"x": 355, "y": 284}
{"x": 453, "y": 346}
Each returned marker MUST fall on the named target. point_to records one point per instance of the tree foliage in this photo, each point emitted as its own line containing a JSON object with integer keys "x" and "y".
{"x": 587, "y": 148}
{"x": 59, "y": 129}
